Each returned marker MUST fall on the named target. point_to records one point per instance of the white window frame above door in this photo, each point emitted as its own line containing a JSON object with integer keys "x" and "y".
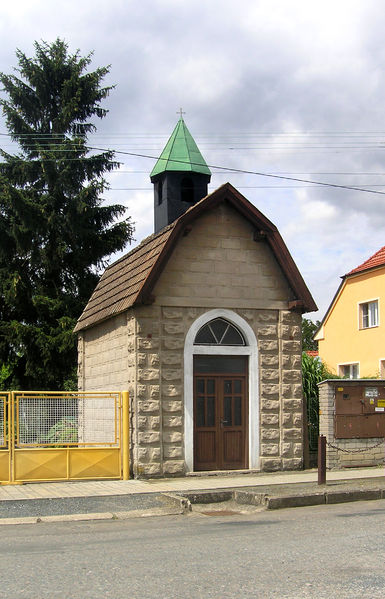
{"x": 250, "y": 350}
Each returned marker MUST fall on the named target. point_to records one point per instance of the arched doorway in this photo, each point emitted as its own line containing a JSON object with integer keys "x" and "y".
{"x": 221, "y": 393}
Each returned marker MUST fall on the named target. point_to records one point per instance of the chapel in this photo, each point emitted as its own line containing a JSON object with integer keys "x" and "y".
{"x": 201, "y": 322}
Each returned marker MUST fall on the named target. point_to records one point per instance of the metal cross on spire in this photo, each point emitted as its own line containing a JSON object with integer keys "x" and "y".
{"x": 180, "y": 112}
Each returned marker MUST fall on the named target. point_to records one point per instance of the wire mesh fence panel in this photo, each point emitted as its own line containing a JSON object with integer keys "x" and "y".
{"x": 62, "y": 420}
{"x": 99, "y": 420}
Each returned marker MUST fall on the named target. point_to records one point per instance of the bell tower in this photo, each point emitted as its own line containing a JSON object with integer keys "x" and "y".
{"x": 180, "y": 177}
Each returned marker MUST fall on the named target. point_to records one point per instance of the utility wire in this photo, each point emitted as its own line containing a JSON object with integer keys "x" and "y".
{"x": 234, "y": 170}
{"x": 259, "y": 173}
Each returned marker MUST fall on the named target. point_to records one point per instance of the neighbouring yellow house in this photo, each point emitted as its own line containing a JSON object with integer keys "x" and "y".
{"x": 352, "y": 333}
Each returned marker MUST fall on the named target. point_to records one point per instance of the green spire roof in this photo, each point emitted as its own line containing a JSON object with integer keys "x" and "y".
{"x": 181, "y": 154}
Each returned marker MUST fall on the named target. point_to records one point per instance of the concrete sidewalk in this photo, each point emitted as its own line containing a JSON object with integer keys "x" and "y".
{"x": 117, "y": 499}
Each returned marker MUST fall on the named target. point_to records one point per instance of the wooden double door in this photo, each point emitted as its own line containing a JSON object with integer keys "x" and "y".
{"x": 220, "y": 413}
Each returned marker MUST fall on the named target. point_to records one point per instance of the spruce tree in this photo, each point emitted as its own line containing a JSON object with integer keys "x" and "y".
{"x": 55, "y": 231}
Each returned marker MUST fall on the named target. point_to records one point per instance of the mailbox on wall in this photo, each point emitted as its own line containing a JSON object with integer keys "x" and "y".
{"x": 359, "y": 411}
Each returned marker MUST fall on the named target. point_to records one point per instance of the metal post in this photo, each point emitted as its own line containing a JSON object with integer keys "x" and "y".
{"x": 126, "y": 435}
{"x": 321, "y": 460}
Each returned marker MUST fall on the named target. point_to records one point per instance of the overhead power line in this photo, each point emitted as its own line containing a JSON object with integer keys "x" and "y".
{"x": 259, "y": 173}
{"x": 218, "y": 168}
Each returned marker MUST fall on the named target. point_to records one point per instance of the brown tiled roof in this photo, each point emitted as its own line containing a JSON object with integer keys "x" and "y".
{"x": 378, "y": 259}
{"x": 120, "y": 284}
{"x": 131, "y": 279}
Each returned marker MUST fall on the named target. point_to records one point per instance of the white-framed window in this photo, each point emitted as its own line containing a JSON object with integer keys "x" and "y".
{"x": 368, "y": 314}
{"x": 349, "y": 371}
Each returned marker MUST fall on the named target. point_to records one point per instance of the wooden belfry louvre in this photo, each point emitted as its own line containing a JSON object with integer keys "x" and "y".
{"x": 220, "y": 401}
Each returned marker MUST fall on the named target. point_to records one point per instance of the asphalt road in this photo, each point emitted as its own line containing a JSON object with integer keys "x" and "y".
{"x": 323, "y": 552}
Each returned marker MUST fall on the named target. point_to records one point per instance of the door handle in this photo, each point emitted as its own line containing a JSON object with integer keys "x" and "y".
{"x": 223, "y": 422}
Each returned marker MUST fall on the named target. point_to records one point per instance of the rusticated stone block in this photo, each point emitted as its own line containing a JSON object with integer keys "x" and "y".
{"x": 148, "y": 374}
{"x": 286, "y": 331}
{"x": 287, "y": 360}
{"x": 148, "y": 469}
{"x": 172, "y": 437}
{"x": 171, "y": 390}
{"x": 149, "y": 406}
{"x": 287, "y": 419}
{"x": 291, "y": 405}
{"x": 291, "y": 346}
{"x": 148, "y": 438}
{"x": 269, "y": 375}
{"x": 145, "y": 343}
{"x": 143, "y": 454}
{"x": 153, "y": 360}
{"x": 294, "y": 434}
{"x": 172, "y": 406}
{"x": 298, "y": 449}
{"x": 173, "y": 467}
{"x": 288, "y": 317}
{"x": 269, "y": 419}
{"x": 287, "y": 449}
{"x": 142, "y": 359}
{"x": 142, "y": 423}
{"x": 268, "y": 345}
{"x": 269, "y": 449}
{"x": 154, "y": 454}
{"x": 296, "y": 362}
{"x": 169, "y": 374}
{"x": 269, "y": 433}
{"x": 297, "y": 419}
{"x": 270, "y": 464}
{"x": 172, "y": 421}
{"x": 141, "y": 391}
{"x": 172, "y": 452}
{"x": 154, "y": 391}
{"x": 268, "y": 331}
{"x": 269, "y": 360}
{"x": 153, "y": 422}
{"x": 292, "y": 464}
{"x": 291, "y": 376}
{"x": 287, "y": 391}
{"x": 270, "y": 405}
{"x": 270, "y": 391}
{"x": 297, "y": 392}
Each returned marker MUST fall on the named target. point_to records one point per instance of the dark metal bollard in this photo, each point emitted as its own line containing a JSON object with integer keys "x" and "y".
{"x": 321, "y": 460}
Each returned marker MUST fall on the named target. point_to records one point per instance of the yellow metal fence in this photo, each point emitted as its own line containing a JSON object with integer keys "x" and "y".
{"x": 47, "y": 436}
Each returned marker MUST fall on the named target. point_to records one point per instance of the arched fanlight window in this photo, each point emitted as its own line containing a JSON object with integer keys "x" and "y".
{"x": 219, "y": 332}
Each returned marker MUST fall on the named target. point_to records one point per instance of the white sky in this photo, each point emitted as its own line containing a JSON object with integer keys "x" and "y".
{"x": 274, "y": 86}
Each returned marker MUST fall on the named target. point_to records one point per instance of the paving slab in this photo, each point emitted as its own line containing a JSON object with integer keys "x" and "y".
{"x": 160, "y": 496}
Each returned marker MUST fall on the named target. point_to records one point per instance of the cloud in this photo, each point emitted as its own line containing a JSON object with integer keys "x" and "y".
{"x": 267, "y": 86}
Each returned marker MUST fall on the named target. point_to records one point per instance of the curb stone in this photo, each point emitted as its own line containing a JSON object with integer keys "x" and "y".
{"x": 94, "y": 516}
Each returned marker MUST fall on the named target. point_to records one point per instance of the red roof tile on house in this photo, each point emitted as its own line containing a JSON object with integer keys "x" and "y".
{"x": 378, "y": 259}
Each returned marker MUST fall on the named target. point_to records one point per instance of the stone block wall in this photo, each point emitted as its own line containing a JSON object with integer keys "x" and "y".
{"x": 102, "y": 356}
{"x": 350, "y": 452}
{"x": 159, "y": 412}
